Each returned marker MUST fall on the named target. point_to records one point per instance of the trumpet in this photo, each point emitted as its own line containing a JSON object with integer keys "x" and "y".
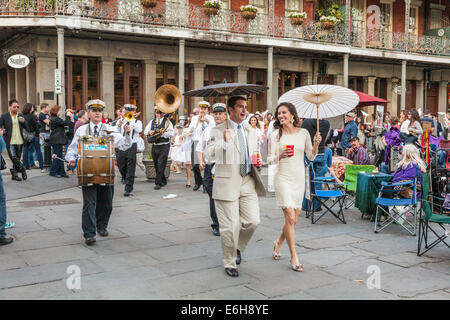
{"x": 129, "y": 116}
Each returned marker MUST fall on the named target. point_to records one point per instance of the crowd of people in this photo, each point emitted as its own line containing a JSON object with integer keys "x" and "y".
{"x": 225, "y": 153}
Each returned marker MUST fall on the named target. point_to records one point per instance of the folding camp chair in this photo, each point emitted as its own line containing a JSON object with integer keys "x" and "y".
{"x": 397, "y": 208}
{"x": 431, "y": 212}
{"x": 351, "y": 175}
{"x": 328, "y": 198}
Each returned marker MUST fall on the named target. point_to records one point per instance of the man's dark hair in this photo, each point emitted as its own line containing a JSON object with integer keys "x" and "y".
{"x": 81, "y": 113}
{"x": 12, "y": 101}
{"x": 43, "y": 105}
{"x": 232, "y": 101}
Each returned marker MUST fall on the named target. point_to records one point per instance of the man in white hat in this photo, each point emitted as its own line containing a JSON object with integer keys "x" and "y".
{"x": 97, "y": 199}
{"x": 198, "y": 124}
{"x": 126, "y": 156}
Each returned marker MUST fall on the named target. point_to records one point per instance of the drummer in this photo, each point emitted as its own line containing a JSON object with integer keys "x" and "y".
{"x": 97, "y": 199}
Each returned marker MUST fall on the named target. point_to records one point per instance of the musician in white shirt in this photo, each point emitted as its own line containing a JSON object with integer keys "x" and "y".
{"x": 161, "y": 144}
{"x": 97, "y": 199}
{"x": 198, "y": 124}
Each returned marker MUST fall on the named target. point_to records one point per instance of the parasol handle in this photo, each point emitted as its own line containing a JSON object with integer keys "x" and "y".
{"x": 226, "y": 111}
{"x": 317, "y": 105}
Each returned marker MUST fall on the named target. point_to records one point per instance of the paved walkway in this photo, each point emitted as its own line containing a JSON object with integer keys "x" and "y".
{"x": 164, "y": 249}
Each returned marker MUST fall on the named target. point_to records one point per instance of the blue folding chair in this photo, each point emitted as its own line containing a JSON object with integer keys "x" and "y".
{"x": 328, "y": 199}
{"x": 395, "y": 208}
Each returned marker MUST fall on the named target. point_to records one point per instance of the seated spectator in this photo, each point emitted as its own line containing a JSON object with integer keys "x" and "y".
{"x": 357, "y": 153}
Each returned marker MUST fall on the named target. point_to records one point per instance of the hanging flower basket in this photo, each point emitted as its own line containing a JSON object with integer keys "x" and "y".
{"x": 149, "y": 3}
{"x": 296, "y": 21}
{"x": 211, "y": 11}
{"x": 249, "y": 15}
{"x": 327, "y": 25}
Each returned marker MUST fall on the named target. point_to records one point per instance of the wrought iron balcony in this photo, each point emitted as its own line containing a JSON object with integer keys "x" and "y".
{"x": 192, "y": 17}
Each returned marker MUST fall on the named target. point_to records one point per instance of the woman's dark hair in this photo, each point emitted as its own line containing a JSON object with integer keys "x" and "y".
{"x": 54, "y": 110}
{"x": 27, "y": 108}
{"x": 414, "y": 116}
{"x": 292, "y": 110}
{"x": 257, "y": 121}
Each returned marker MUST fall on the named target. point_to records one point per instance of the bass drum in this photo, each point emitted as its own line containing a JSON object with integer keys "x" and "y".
{"x": 96, "y": 163}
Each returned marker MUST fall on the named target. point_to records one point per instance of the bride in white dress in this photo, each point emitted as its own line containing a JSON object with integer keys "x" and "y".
{"x": 289, "y": 174}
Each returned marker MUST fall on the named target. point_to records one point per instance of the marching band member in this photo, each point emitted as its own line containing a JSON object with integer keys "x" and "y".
{"x": 159, "y": 131}
{"x": 97, "y": 199}
{"x": 198, "y": 124}
{"x": 126, "y": 157}
{"x": 219, "y": 110}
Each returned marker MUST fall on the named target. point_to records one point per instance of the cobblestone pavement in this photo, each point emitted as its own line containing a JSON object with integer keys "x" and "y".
{"x": 164, "y": 249}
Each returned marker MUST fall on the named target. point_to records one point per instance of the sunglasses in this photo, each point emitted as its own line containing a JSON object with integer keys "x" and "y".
{"x": 129, "y": 109}
{"x": 96, "y": 109}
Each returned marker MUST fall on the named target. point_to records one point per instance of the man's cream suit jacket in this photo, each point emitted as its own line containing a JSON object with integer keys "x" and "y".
{"x": 227, "y": 177}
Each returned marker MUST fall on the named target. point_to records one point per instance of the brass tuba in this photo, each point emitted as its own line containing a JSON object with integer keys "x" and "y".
{"x": 168, "y": 98}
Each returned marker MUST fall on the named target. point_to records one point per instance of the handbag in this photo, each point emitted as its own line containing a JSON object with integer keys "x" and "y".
{"x": 28, "y": 136}
{"x": 2, "y": 164}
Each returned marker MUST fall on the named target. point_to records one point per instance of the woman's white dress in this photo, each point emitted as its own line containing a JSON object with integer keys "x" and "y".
{"x": 176, "y": 154}
{"x": 289, "y": 180}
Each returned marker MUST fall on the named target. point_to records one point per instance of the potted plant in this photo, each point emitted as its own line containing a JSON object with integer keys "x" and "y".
{"x": 149, "y": 3}
{"x": 212, "y": 7}
{"x": 249, "y": 12}
{"x": 328, "y": 22}
{"x": 297, "y": 17}
{"x": 150, "y": 171}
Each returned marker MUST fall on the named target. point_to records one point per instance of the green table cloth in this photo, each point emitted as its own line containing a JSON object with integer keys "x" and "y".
{"x": 368, "y": 186}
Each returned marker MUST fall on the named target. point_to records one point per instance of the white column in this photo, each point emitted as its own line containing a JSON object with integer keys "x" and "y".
{"x": 419, "y": 94}
{"x": 3, "y": 91}
{"x": 10, "y": 76}
{"x": 391, "y": 97}
{"x": 346, "y": 56}
{"x": 107, "y": 84}
{"x": 20, "y": 84}
{"x": 242, "y": 74}
{"x": 45, "y": 77}
{"x": 31, "y": 83}
{"x": 199, "y": 78}
{"x": 62, "y": 96}
{"x": 275, "y": 85}
{"x": 371, "y": 85}
{"x": 181, "y": 76}
{"x": 340, "y": 80}
{"x": 149, "y": 89}
{"x": 403, "y": 96}
{"x": 270, "y": 105}
{"x": 443, "y": 96}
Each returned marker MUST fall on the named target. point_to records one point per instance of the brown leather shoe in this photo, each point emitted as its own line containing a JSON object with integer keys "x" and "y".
{"x": 232, "y": 272}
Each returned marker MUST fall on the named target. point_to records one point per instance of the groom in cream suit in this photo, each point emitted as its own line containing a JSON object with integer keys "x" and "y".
{"x": 236, "y": 184}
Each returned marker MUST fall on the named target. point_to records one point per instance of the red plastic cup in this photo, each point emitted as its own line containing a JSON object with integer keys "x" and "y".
{"x": 290, "y": 147}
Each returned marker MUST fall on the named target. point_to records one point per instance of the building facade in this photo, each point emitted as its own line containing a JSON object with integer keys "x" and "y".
{"x": 121, "y": 51}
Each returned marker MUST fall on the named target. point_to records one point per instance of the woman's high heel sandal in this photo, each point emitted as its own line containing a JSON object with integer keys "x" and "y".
{"x": 276, "y": 256}
{"x": 298, "y": 268}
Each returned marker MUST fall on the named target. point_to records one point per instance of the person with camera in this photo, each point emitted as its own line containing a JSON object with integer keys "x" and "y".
{"x": 58, "y": 140}
{"x": 357, "y": 153}
{"x": 158, "y": 132}
{"x": 44, "y": 128}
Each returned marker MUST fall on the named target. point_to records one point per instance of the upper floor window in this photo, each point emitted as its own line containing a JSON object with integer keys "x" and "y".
{"x": 260, "y": 4}
{"x": 413, "y": 20}
{"x": 386, "y": 16}
{"x": 293, "y": 6}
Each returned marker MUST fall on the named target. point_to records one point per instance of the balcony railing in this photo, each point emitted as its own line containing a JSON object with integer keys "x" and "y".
{"x": 192, "y": 17}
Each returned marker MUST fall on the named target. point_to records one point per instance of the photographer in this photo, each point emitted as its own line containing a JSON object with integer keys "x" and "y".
{"x": 357, "y": 153}
{"x": 44, "y": 128}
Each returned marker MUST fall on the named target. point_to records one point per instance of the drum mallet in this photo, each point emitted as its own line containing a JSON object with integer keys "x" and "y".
{"x": 56, "y": 157}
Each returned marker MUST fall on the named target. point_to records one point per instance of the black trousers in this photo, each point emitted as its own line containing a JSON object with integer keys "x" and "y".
{"x": 208, "y": 184}
{"x": 196, "y": 166}
{"x": 15, "y": 153}
{"x": 159, "y": 155}
{"x": 97, "y": 208}
{"x": 126, "y": 161}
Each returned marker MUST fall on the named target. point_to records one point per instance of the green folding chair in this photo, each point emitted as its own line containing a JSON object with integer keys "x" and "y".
{"x": 351, "y": 175}
{"x": 432, "y": 214}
